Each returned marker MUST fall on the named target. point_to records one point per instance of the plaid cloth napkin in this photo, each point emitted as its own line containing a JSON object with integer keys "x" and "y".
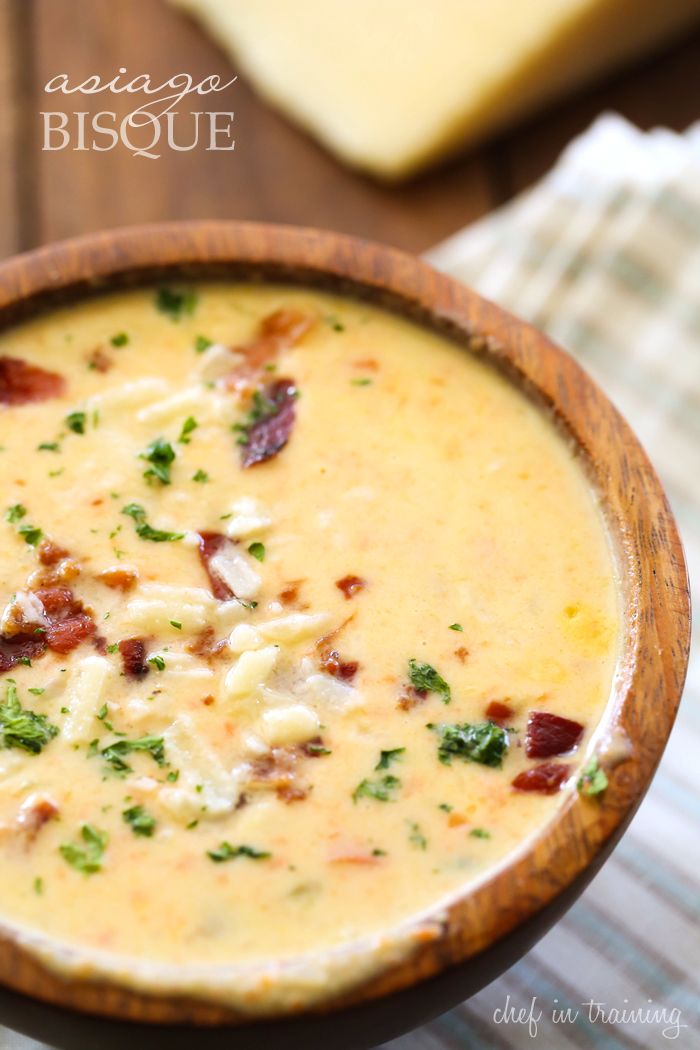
{"x": 605, "y": 255}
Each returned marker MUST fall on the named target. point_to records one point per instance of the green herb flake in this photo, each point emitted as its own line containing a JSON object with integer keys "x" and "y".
{"x": 115, "y": 754}
{"x": 257, "y": 550}
{"x": 32, "y": 535}
{"x": 176, "y": 302}
{"x": 480, "y": 833}
{"x": 156, "y": 661}
{"x": 140, "y": 822}
{"x": 48, "y": 446}
{"x": 144, "y": 530}
{"x": 176, "y": 624}
{"x": 188, "y": 426}
{"x": 21, "y": 728}
{"x": 75, "y": 421}
{"x": 202, "y": 343}
{"x": 416, "y": 836}
{"x": 456, "y": 627}
{"x": 173, "y": 776}
{"x": 86, "y": 858}
{"x": 380, "y": 789}
{"x": 593, "y": 780}
{"x": 361, "y": 381}
{"x": 38, "y": 886}
{"x": 226, "y": 852}
{"x": 120, "y": 339}
{"x": 425, "y": 679}
{"x": 15, "y": 513}
{"x": 201, "y": 476}
{"x": 445, "y": 807}
{"x": 482, "y": 742}
{"x": 160, "y": 454}
{"x": 36, "y": 690}
{"x": 387, "y": 757}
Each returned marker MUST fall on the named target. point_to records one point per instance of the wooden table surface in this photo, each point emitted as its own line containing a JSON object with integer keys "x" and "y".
{"x": 276, "y": 173}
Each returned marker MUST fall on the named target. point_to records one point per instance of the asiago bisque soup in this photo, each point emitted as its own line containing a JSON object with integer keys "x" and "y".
{"x": 309, "y": 618}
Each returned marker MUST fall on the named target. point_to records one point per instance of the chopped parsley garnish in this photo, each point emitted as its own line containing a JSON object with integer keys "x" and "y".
{"x": 176, "y": 624}
{"x": 200, "y": 475}
{"x": 160, "y": 454}
{"x": 120, "y": 339}
{"x": 316, "y": 748}
{"x": 480, "y": 833}
{"x": 144, "y": 530}
{"x": 361, "y": 381}
{"x": 22, "y": 728}
{"x": 115, "y": 753}
{"x": 228, "y": 852}
{"x": 176, "y": 302}
{"x": 425, "y": 679}
{"x": 36, "y": 690}
{"x": 380, "y": 789}
{"x": 445, "y": 807}
{"x": 102, "y": 713}
{"x": 38, "y": 886}
{"x": 15, "y": 513}
{"x": 140, "y": 822}
{"x": 262, "y": 407}
{"x": 48, "y": 446}
{"x": 156, "y": 661}
{"x": 201, "y": 344}
{"x": 456, "y": 627}
{"x": 387, "y": 757}
{"x": 416, "y": 837}
{"x": 257, "y": 549}
{"x": 75, "y": 421}
{"x": 593, "y": 779}
{"x": 86, "y": 858}
{"x": 483, "y": 742}
{"x": 32, "y": 534}
{"x": 188, "y": 426}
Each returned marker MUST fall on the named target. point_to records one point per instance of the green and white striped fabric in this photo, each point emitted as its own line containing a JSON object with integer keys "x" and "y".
{"x": 605, "y": 255}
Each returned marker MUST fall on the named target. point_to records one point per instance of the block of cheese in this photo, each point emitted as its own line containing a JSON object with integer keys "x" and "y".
{"x": 390, "y": 86}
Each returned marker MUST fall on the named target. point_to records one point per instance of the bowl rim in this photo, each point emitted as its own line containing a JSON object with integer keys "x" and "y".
{"x": 647, "y": 546}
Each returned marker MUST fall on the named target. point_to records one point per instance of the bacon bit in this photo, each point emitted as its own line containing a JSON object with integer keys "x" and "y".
{"x": 210, "y": 543}
{"x": 278, "y": 331}
{"x": 549, "y": 735}
{"x": 498, "y": 711}
{"x": 100, "y": 643}
{"x": 289, "y": 595}
{"x": 269, "y": 435}
{"x": 350, "y": 586}
{"x": 546, "y": 778}
{"x": 277, "y": 771}
{"x": 49, "y": 553}
{"x": 18, "y": 648}
{"x": 118, "y": 577}
{"x": 411, "y": 697}
{"x": 206, "y": 644}
{"x": 69, "y": 624}
{"x": 35, "y": 811}
{"x": 332, "y": 664}
{"x": 133, "y": 654}
{"x": 462, "y": 654}
{"x": 208, "y": 700}
{"x": 21, "y": 382}
{"x": 99, "y": 360}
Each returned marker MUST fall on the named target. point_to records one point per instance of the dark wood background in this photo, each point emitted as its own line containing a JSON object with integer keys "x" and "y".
{"x": 276, "y": 173}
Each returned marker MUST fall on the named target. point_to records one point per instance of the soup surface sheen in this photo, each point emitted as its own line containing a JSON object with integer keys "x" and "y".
{"x": 282, "y": 626}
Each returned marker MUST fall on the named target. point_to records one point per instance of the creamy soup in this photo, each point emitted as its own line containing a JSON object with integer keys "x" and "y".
{"x": 309, "y": 618}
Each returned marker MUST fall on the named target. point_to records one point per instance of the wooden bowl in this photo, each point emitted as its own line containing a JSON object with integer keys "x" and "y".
{"x": 491, "y": 925}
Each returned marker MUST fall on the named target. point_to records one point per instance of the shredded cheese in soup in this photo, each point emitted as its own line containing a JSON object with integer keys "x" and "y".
{"x": 308, "y": 618}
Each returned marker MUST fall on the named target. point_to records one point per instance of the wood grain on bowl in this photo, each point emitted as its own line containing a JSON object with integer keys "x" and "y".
{"x": 653, "y": 581}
